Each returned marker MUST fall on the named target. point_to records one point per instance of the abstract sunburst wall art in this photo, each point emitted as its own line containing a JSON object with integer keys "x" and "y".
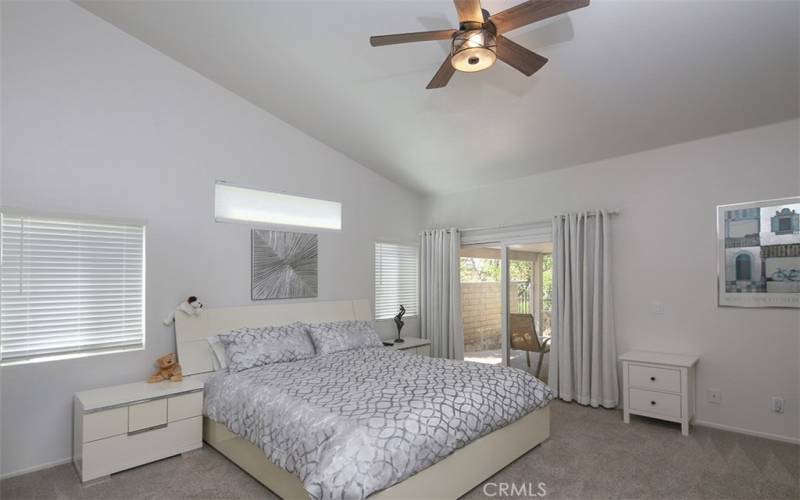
{"x": 284, "y": 265}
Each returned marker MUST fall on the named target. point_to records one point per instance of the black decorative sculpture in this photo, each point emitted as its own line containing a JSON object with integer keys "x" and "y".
{"x": 398, "y": 321}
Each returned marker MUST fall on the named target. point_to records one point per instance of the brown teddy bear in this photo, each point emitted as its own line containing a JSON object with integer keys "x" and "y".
{"x": 168, "y": 369}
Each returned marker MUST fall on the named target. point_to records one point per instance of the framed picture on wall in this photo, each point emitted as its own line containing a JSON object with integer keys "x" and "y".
{"x": 758, "y": 263}
{"x": 284, "y": 265}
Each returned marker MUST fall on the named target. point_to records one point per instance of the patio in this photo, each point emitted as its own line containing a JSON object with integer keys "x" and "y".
{"x": 516, "y": 360}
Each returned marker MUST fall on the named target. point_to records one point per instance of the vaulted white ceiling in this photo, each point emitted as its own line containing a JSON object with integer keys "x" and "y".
{"x": 623, "y": 76}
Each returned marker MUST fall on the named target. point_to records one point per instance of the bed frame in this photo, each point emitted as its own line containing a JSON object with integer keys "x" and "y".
{"x": 450, "y": 478}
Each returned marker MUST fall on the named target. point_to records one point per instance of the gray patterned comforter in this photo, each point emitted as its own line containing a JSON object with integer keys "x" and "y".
{"x": 355, "y": 422}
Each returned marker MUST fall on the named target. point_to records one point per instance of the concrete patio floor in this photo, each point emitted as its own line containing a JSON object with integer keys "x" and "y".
{"x": 516, "y": 360}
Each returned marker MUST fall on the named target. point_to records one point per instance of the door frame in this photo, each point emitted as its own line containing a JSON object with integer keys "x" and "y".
{"x": 505, "y": 342}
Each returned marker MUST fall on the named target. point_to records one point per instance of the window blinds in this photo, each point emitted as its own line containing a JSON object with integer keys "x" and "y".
{"x": 69, "y": 286}
{"x": 395, "y": 279}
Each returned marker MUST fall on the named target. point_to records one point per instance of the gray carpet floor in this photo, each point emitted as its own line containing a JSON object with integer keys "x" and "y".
{"x": 591, "y": 454}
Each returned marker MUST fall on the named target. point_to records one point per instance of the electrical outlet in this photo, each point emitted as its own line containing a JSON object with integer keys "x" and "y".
{"x": 776, "y": 404}
{"x": 714, "y": 396}
{"x": 657, "y": 307}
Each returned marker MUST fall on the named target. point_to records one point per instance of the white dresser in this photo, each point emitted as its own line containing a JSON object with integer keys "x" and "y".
{"x": 659, "y": 385}
{"x": 119, "y": 427}
{"x": 413, "y": 344}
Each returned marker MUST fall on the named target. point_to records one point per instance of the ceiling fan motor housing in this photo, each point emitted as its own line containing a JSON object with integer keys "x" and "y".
{"x": 474, "y": 49}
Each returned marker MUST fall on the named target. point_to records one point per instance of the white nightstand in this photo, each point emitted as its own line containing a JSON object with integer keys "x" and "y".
{"x": 413, "y": 344}
{"x": 119, "y": 427}
{"x": 659, "y": 385}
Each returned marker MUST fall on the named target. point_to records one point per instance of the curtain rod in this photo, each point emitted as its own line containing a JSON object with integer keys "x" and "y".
{"x": 590, "y": 213}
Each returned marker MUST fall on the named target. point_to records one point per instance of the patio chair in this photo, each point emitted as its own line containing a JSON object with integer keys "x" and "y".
{"x": 524, "y": 338}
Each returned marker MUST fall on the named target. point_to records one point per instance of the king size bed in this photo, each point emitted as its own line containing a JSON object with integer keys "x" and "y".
{"x": 365, "y": 422}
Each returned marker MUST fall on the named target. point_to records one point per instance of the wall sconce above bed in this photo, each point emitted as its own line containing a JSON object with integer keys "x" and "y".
{"x": 253, "y": 206}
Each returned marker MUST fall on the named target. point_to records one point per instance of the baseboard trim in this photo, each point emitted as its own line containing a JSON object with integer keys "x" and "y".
{"x": 740, "y": 430}
{"x": 36, "y": 468}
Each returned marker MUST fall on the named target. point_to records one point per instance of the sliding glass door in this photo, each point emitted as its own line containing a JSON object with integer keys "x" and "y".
{"x": 527, "y": 315}
{"x": 505, "y": 301}
{"x": 481, "y": 306}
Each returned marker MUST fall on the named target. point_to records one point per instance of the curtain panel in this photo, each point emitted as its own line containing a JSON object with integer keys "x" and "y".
{"x": 440, "y": 292}
{"x": 583, "y": 354}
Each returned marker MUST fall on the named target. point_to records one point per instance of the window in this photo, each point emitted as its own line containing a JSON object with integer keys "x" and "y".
{"x": 786, "y": 221}
{"x": 395, "y": 279}
{"x": 238, "y": 204}
{"x": 69, "y": 287}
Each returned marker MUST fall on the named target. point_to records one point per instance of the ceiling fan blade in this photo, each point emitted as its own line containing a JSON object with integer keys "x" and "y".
{"x": 442, "y": 76}
{"x": 420, "y": 36}
{"x": 469, "y": 11}
{"x": 518, "y": 57}
{"x": 532, "y": 11}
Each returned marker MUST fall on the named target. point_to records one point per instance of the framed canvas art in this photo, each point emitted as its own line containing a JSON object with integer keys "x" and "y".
{"x": 758, "y": 261}
{"x": 284, "y": 265}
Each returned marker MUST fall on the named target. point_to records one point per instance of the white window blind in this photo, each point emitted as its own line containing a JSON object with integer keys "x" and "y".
{"x": 395, "y": 279}
{"x": 69, "y": 286}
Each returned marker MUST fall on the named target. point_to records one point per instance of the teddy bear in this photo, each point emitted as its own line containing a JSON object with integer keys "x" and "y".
{"x": 168, "y": 369}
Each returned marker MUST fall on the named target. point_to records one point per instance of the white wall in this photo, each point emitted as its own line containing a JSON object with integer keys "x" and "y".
{"x": 665, "y": 251}
{"x": 98, "y": 123}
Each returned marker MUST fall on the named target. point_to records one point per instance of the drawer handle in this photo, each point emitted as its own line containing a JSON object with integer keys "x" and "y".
{"x": 652, "y": 379}
{"x": 147, "y": 429}
{"x": 653, "y": 403}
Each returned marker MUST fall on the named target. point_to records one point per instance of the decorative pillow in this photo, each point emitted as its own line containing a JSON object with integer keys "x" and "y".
{"x": 250, "y": 347}
{"x": 343, "y": 336}
{"x": 219, "y": 358}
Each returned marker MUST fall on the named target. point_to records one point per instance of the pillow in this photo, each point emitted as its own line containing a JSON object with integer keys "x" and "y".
{"x": 249, "y": 347}
{"x": 219, "y": 359}
{"x": 338, "y": 336}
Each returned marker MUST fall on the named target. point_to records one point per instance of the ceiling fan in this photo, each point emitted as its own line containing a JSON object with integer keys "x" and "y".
{"x": 479, "y": 42}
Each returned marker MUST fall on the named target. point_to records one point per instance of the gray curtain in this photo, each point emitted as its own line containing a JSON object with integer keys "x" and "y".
{"x": 440, "y": 292}
{"x": 583, "y": 353}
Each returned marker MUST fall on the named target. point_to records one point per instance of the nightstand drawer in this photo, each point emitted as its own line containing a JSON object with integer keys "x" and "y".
{"x": 653, "y": 377}
{"x": 146, "y": 415}
{"x": 188, "y": 405}
{"x": 106, "y": 456}
{"x": 655, "y": 402}
{"x": 105, "y": 423}
{"x": 424, "y": 350}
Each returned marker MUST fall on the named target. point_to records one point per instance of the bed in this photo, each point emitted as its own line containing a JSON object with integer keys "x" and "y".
{"x": 369, "y": 422}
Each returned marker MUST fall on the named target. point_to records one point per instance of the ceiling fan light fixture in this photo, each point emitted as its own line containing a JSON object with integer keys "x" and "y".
{"x": 480, "y": 38}
{"x": 473, "y": 50}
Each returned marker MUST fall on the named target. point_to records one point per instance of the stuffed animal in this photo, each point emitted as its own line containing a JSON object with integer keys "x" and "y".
{"x": 168, "y": 369}
{"x": 190, "y": 306}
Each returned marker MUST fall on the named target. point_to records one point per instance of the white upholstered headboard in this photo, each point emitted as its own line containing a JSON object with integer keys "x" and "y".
{"x": 192, "y": 332}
